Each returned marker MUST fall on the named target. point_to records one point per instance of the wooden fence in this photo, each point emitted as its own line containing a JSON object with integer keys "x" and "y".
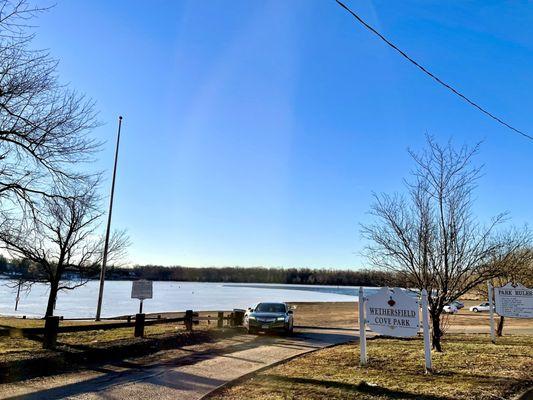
{"x": 52, "y": 326}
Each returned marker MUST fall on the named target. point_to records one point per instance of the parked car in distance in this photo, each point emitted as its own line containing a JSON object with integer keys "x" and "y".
{"x": 458, "y": 304}
{"x": 450, "y": 309}
{"x": 480, "y": 307}
{"x": 269, "y": 317}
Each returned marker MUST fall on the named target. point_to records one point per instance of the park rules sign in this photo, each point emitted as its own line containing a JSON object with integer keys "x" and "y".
{"x": 141, "y": 290}
{"x": 514, "y": 301}
{"x": 392, "y": 312}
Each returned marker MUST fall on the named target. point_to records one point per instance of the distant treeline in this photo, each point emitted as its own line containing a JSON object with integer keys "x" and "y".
{"x": 304, "y": 276}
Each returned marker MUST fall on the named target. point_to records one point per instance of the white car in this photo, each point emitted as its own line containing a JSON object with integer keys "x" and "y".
{"x": 450, "y": 309}
{"x": 480, "y": 307}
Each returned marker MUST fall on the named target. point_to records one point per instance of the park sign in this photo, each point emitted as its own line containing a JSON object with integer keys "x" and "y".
{"x": 515, "y": 301}
{"x": 392, "y": 312}
{"x": 141, "y": 290}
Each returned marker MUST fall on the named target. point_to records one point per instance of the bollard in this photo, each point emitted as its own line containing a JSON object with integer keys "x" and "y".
{"x": 51, "y": 326}
{"x": 220, "y": 322}
{"x": 232, "y": 320}
{"x": 139, "y": 325}
{"x": 238, "y": 316}
{"x": 188, "y": 320}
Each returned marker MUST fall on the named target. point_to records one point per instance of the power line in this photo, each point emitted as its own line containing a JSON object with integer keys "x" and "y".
{"x": 446, "y": 85}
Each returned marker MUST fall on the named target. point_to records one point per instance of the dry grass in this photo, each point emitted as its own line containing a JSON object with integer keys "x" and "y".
{"x": 471, "y": 368}
{"x": 345, "y": 314}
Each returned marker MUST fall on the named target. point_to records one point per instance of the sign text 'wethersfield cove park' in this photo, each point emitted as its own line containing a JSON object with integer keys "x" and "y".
{"x": 392, "y": 312}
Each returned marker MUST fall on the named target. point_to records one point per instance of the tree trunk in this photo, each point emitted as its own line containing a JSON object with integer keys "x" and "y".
{"x": 52, "y": 298}
{"x": 436, "y": 334}
{"x": 499, "y": 331}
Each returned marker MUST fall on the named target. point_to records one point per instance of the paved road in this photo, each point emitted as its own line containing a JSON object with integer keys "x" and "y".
{"x": 186, "y": 373}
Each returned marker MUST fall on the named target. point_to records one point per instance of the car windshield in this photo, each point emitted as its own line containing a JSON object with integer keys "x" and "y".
{"x": 270, "y": 307}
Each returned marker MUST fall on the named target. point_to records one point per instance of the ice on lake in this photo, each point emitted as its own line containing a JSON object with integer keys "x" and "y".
{"x": 167, "y": 296}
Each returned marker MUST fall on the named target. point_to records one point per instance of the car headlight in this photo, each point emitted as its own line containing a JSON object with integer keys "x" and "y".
{"x": 280, "y": 319}
{"x": 251, "y": 317}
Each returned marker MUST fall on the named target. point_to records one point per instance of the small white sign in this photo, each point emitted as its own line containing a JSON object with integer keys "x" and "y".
{"x": 392, "y": 312}
{"x": 514, "y": 301}
{"x": 141, "y": 290}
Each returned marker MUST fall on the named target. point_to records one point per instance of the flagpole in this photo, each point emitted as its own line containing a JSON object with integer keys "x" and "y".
{"x": 106, "y": 245}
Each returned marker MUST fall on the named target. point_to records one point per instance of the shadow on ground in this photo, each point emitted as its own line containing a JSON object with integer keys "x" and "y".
{"x": 166, "y": 374}
{"x": 349, "y": 390}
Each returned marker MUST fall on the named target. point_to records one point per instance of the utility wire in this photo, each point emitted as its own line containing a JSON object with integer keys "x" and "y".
{"x": 447, "y": 86}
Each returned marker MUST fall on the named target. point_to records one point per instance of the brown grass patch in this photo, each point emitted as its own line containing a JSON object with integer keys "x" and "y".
{"x": 470, "y": 368}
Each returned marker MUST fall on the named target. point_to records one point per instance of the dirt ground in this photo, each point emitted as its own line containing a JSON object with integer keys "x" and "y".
{"x": 345, "y": 314}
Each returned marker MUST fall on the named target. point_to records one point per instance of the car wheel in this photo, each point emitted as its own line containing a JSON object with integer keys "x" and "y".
{"x": 288, "y": 330}
{"x": 252, "y": 331}
{"x": 475, "y": 310}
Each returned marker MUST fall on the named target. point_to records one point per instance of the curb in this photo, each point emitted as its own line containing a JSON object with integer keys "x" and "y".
{"x": 526, "y": 395}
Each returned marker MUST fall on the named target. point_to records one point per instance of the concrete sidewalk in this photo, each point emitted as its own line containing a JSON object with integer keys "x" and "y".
{"x": 186, "y": 373}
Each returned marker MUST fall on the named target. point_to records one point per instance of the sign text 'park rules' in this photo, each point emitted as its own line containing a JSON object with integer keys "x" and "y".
{"x": 514, "y": 301}
{"x": 392, "y": 312}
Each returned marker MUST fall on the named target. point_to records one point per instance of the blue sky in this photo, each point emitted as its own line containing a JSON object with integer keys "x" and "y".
{"x": 255, "y": 131}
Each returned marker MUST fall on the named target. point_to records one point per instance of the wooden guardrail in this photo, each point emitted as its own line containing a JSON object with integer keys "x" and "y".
{"x": 52, "y": 326}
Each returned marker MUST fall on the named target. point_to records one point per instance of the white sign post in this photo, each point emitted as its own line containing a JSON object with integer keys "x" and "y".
{"x": 514, "y": 301}
{"x": 141, "y": 290}
{"x": 362, "y": 333}
{"x": 425, "y": 327}
{"x": 491, "y": 313}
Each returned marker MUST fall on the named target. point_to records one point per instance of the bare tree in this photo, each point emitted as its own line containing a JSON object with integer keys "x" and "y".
{"x": 431, "y": 237}
{"x": 44, "y": 126}
{"x": 59, "y": 236}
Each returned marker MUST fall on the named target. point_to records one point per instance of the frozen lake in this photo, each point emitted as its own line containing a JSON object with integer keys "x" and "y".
{"x": 168, "y": 296}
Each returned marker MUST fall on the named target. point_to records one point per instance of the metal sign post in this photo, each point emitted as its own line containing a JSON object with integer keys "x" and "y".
{"x": 362, "y": 333}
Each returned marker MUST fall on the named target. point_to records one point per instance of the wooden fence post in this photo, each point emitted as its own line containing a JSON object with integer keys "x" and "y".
{"x": 51, "y": 326}
{"x": 188, "y": 320}
{"x": 220, "y": 322}
{"x": 238, "y": 317}
{"x": 139, "y": 325}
